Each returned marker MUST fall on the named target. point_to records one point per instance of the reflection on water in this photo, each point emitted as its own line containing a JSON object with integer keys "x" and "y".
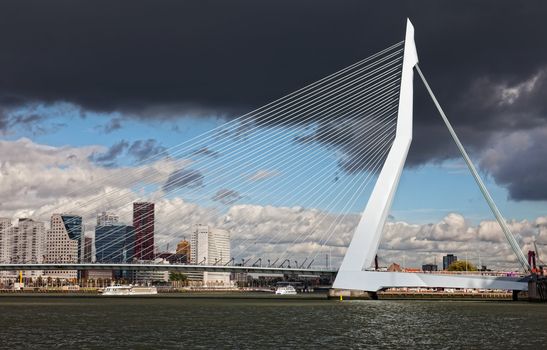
{"x": 128, "y": 323}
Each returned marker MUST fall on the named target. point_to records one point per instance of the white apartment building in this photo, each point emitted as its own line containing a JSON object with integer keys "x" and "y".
{"x": 5, "y": 231}
{"x": 28, "y": 242}
{"x": 62, "y": 243}
{"x": 24, "y": 243}
{"x": 5, "y": 244}
{"x": 211, "y": 247}
{"x": 199, "y": 241}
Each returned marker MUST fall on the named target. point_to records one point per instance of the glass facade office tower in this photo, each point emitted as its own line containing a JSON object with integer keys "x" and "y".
{"x": 143, "y": 222}
{"x": 74, "y": 229}
{"x": 114, "y": 243}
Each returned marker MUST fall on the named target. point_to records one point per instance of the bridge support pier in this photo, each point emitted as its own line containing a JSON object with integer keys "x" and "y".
{"x": 348, "y": 294}
{"x": 537, "y": 289}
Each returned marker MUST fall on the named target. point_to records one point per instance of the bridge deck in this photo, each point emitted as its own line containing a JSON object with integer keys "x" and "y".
{"x": 373, "y": 281}
{"x": 169, "y": 267}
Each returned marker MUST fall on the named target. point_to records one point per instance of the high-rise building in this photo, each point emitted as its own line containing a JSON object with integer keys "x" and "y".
{"x": 211, "y": 247}
{"x": 107, "y": 219}
{"x": 219, "y": 246}
{"x": 88, "y": 249}
{"x": 28, "y": 241}
{"x": 24, "y": 243}
{"x": 89, "y": 257}
{"x": 143, "y": 223}
{"x": 448, "y": 260}
{"x": 64, "y": 243}
{"x": 183, "y": 251}
{"x": 5, "y": 225}
{"x": 199, "y": 242}
{"x": 114, "y": 243}
{"x": 5, "y": 244}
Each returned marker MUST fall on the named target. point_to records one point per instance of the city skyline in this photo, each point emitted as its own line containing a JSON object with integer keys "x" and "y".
{"x": 116, "y": 243}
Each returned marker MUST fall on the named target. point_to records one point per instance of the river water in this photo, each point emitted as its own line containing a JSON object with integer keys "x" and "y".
{"x": 71, "y": 322}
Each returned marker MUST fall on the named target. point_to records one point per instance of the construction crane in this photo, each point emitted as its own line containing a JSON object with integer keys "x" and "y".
{"x": 537, "y": 252}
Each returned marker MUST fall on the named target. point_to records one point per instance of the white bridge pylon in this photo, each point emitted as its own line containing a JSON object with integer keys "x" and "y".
{"x": 366, "y": 239}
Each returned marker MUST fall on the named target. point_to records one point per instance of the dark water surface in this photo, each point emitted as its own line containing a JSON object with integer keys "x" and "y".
{"x": 156, "y": 322}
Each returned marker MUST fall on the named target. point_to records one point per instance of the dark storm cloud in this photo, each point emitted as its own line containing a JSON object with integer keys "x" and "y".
{"x": 26, "y": 120}
{"x": 206, "y": 152}
{"x": 3, "y": 120}
{"x": 108, "y": 158}
{"x": 187, "y": 55}
{"x": 140, "y": 150}
{"x": 183, "y": 178}
{"x": 226, "y": 196}
{"x": 178, "y": 58}
{"x": 111, "y": 126}
{"x": 8, "y": 121}
{"x": 33, "y": 123}
{"x": 511, "y": 157}
{"x": 144, "y": 149}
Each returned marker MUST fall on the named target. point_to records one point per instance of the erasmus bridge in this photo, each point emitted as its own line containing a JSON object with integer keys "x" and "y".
{"x": 363, "y": 114}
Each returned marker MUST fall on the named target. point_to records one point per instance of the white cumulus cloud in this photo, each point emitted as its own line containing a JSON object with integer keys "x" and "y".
{"x": 38, "y": 180}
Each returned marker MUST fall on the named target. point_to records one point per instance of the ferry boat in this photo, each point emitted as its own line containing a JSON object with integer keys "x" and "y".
{"x": 75, "y": 288}
{"x": 285, "y": 290}
{"x": 129, "y": 290}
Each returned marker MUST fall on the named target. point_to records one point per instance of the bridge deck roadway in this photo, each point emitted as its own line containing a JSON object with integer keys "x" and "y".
{"x": 169, "y": 267}
{"x": 373, "y": 281}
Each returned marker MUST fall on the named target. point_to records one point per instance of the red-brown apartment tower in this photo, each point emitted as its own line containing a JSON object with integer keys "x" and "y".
{"x": 143, "y": 222}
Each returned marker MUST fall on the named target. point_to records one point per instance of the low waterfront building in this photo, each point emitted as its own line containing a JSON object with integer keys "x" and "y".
{"x": 148, "y": 276}
{"x": 448, "y": 260}
{"x": 97, "y": 277}
{"x": 429, "y": 267}
{"x": 394, "y": 268}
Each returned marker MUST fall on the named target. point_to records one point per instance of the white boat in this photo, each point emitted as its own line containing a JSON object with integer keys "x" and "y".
{"x": 285, "y": 290}
{"x": 129, "y": 290}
